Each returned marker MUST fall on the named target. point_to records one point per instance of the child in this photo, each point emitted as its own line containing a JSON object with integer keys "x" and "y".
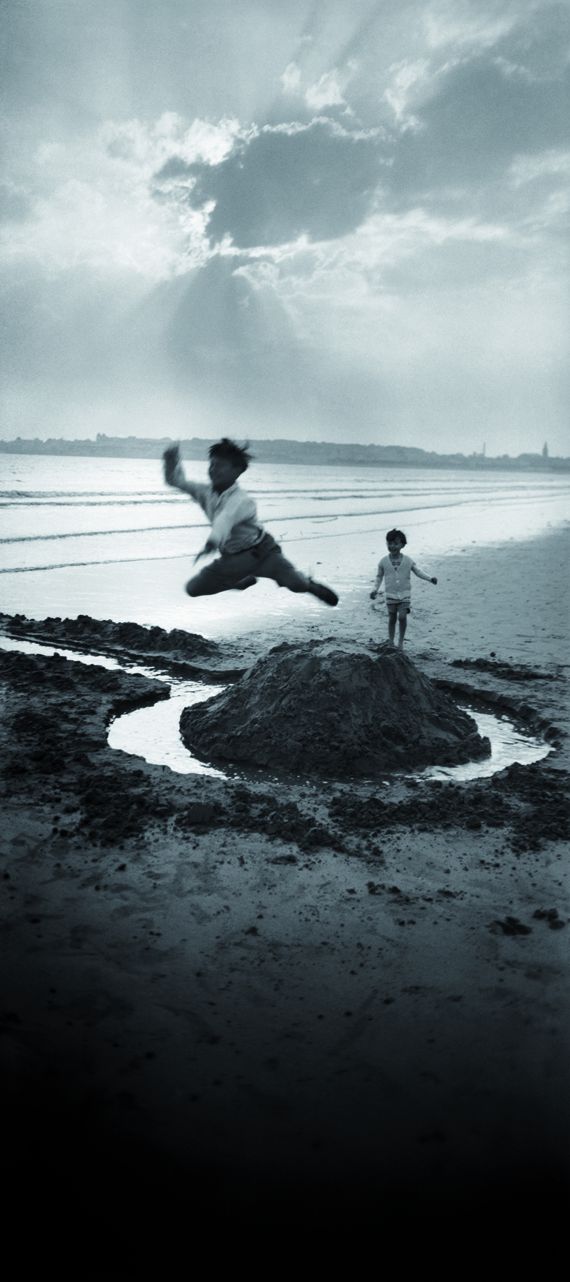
{"x": 247, "y": 552}
{"x": 396, "y": 569}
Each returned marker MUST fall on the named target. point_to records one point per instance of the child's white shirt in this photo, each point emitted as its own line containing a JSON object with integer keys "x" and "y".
{"x": 397, "y": 580}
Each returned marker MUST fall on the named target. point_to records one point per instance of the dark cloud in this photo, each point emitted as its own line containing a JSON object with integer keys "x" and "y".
{"x": 483, "y": 116}
{"x": 541, "y": 43}
{"x": 174, "y": 168}
{"x": 316, "y": 181}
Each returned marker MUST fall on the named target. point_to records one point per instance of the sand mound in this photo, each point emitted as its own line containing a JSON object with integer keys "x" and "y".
{"x": 324, "y": 708}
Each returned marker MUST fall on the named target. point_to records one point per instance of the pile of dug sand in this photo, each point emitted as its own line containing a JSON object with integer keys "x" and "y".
{"x": 321, "y": 707}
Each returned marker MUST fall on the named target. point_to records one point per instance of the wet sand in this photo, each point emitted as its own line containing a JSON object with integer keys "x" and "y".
{"x": 233, "y": 1009}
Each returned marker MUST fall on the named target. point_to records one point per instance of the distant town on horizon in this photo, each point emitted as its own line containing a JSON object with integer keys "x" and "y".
{"x": 323, "y": 453}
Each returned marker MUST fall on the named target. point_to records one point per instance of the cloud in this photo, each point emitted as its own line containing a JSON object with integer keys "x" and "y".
{"x": 407, "y": 80}
{"x": 91, "y": 204}
{"x": 147, "y": 146}
{"x": 291, "y": 79}
{"x": 403, "y": 252}
{"x": 475, "y": 118}
{"x": 554, "y": 163}
{"x": 108, "y": 229}
{"x": 538, "y": 43}
{"x": 540, "y": 184}
{"x": 327, "y": 91}
{"x": 461, "y": 24}
{"x": 315, "y": 180}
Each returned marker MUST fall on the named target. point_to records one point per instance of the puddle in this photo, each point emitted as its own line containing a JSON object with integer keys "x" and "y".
{"x": 153, "y": 732}
{"x": 508, "y": 745}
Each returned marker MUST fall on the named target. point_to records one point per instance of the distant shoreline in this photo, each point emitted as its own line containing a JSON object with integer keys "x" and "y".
{"x": 315, "y": 453}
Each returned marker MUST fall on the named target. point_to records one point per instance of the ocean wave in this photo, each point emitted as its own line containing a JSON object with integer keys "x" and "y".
{"x": 129, "y": 501}
{"x": 273, "y": 519}
{"x": 169, "y": 556}
{"x": 90, "y": 534}
{"x": 76, "y": 565}
{"x": 378, "y": 530}
{"x": 38, "y": 495}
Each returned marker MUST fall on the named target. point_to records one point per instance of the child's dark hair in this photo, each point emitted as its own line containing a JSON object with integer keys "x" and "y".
{"x": 239, "y": 455}
{"x": 392, "y": 535}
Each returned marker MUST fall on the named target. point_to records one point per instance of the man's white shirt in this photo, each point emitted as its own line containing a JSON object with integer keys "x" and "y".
{"x": 232, "y": 514}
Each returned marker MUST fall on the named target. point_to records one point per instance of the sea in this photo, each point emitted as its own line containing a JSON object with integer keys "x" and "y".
{"x": 105, "y": 537}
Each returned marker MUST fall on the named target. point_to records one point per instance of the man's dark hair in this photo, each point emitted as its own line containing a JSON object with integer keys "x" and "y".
{"x": 239, "y": 455}
{"x": 392, "y": 535}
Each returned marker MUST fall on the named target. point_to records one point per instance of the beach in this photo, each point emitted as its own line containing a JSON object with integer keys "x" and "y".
{"x": 248, "y": 1003}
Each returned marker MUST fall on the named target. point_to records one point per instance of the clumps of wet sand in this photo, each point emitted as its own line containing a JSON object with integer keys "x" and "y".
{"x": 530, "y": 802}
{"x": 507, "y": 671}
{"x": 56, "y": 714}
{"x": 134, "y": 636}
{"x": 319, "y": 707}
{"x": 177, "y": 649}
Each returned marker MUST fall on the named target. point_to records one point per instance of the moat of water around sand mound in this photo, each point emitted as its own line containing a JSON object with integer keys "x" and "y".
{"x": 153, "y": 733}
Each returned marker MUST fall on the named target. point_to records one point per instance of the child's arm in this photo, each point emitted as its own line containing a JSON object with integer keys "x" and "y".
{"x": 415, "y": 570}
{"x": 174, "y": 475}
{"x": 379, "y": 578}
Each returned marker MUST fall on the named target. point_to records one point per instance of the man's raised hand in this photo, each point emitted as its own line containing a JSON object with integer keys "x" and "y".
{"x": 170, "y": 462}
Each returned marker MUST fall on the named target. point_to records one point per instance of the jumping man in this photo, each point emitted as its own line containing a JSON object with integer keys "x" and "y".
{"x": 247, "y": 552}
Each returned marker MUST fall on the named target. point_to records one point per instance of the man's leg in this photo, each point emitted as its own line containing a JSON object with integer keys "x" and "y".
{"x": 225, "y": 572}
{"x": 283, "y": 572}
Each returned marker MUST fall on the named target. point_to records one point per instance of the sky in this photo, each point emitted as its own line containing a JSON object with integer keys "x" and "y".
{"x": 315, "y": 219}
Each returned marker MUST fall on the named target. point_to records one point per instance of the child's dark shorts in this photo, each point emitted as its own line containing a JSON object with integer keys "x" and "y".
{"x": 398, "y": 609}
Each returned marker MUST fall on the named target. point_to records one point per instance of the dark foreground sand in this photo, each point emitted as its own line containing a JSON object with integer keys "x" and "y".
{"x": 236, "y": 1013}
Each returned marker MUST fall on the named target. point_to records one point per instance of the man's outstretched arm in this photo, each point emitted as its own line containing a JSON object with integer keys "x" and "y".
{"x": 174, "y": 475}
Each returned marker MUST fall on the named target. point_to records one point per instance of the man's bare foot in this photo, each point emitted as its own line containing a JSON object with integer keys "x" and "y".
{"x": 323, "y": 593}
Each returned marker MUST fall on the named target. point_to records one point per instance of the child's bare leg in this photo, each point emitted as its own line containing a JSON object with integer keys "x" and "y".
{"x": 402, "y": 625}
{"x": 391, "y": 627}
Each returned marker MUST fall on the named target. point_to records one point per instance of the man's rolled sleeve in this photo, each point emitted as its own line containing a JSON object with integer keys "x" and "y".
{"x": 196, "y": 489}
